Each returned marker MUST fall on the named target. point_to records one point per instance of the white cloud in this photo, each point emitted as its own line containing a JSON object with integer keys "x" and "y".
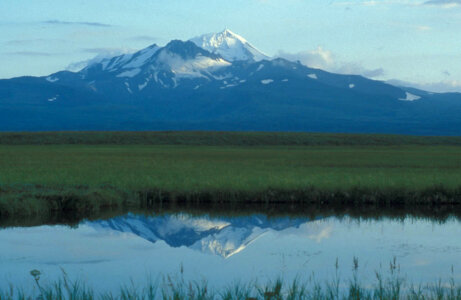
{"x": 320, "y": 58}
{"x": 356, "y": 68}
{"x": 379, "y": 2}
{"x": 444, "y": 86}
{"x": 444, "y": 3}
{"x": 440, "y": 3}
{"x": 59, "y": 22}
{"x": 423, "y": 28}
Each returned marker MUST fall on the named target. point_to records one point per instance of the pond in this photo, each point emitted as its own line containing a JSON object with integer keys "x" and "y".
{"x": 223, "y": 249}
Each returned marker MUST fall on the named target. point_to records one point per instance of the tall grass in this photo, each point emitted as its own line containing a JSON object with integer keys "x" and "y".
{"x": 390, "y": 286}
{"x": 79, "y": 179}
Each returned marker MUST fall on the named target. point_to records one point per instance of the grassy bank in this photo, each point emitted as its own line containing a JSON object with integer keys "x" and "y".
{"x": 82, "y": 178}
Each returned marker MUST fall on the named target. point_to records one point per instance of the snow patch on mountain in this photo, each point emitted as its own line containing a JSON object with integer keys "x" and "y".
{"x": 410, "y": 97}
{"x": 124, "y": 61}
{"x": 130, "y": 73}
{"x": 228, "y": 85}
{"x": 117, "y": 63}
{"x": 111, "y": 64}
{"x": 201, "y": 66}
{"x": 222, "y": 77}
{"x": 52, "y": 79}
{"x": 128, "y": 88}
{"x": 231, "y": 46}
{"x": 141, "y": 58}
{"x": 267, "y": 81}
{"x": 53, "y": 98}
{"x": 142, "y": 86}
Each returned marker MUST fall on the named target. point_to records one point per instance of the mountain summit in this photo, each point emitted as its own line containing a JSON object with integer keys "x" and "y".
{"x": 231, "y": 46}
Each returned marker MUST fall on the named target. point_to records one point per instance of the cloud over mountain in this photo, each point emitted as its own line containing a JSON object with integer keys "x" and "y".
{"x": 321, "y": 58}
{"x": 59, "y": 22}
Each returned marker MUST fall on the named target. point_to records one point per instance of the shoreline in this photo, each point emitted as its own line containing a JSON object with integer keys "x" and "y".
{"x": 81, "y": 202}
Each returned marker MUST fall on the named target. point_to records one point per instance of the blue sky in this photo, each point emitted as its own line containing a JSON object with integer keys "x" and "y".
{"x": 415, "y": 41}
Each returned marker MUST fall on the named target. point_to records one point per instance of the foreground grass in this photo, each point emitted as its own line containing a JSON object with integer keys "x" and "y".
{"x": 392, "y": 287}
{"x": 37, "y": 179}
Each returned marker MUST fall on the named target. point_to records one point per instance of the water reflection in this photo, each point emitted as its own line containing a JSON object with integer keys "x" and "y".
{"x": 222, "y": 249}
{"x": 219, "y": 236}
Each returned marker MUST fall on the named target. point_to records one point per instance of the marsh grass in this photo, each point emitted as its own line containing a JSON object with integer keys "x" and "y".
{"x": 388, "y": 286}
{"x": 85, "y": 173}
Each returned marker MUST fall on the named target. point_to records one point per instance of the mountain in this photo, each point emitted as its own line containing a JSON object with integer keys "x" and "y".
{"x": 153, "y": 67}
{"x": 231, "y": 46}
{"x": 225, "y": 84}
{"x": 217, "y": 236}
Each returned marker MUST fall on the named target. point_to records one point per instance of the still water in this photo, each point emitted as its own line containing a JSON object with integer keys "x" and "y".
{"x": 224, "y": 250}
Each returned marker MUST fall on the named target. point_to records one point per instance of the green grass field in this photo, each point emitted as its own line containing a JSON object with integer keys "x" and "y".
{"x": 211, "y": 168}
{"x": 349, "y": 168}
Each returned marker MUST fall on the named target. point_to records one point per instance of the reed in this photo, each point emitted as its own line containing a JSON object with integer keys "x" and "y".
{"x": 390, "y": 285}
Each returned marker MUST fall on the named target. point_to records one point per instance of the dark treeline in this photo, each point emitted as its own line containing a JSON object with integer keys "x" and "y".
{"x": 215, "y": 138}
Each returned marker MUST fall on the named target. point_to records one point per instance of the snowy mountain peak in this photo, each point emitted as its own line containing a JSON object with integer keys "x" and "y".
{"x": 126, "y": 61}
{"x": 229, "y": 34}
{"x": 229, "y": 45}
{"x": 187, "y": 61}
{"x": 155, "y": 66}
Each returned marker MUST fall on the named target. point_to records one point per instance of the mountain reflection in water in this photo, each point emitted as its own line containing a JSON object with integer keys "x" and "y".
{"x": 219, "y": 236}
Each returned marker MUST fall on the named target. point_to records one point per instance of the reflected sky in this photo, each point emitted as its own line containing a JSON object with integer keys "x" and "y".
{"x": 222, "y": 250}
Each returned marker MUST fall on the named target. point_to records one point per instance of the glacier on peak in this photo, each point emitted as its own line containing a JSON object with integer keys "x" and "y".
{"x": 192, "y": 67}
{"x": 229, "y": 45}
